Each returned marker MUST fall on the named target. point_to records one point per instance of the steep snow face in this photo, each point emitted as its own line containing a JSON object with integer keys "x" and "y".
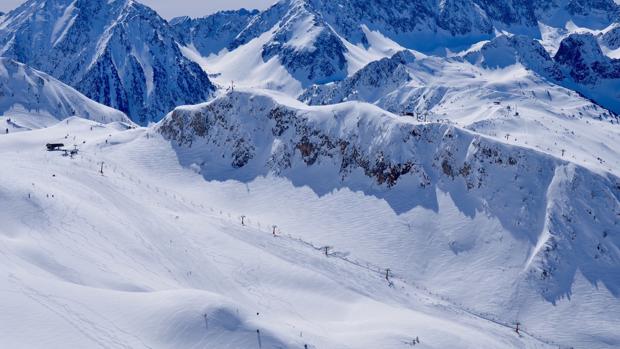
{"x": 307, "y": 47}
{"x": 286, "y": 48}
{"x": 301, "y": 41}
{"x": 213, "y": 33}
{"x": 33, "y": 99}
{"x": 119, "y": 53}
{"x": 370, "y": 84}
{"x": 541, "y": 201}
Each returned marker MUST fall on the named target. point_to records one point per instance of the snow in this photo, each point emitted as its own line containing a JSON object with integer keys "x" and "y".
{"x": 429, "y": 223}
{"x": 32, "y": 99}
{"x": 502, "y": 99}
{"x": 129, "y": 259}
{"x": 246, "y": 67}
{"x": 137, "y": 256}
{"x": 143, "y": 57}
{"x": 378, "y": 47}
{"x": 119, "y": 53}
{"x": 63, "y": 24}
{"x": 475, "y": 172}
{"x": 303, "y": 34}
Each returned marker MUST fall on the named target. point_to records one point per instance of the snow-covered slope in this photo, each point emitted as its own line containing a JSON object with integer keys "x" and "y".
{"x": 496, "y": 95}
{"x": 32, "y": 99}
{"x": 318, "y": 41}
{"x": 153, "y": 254}
{"x": 532, "y": 211}
{"x": 119, "y": 53}
{"x": 149, "y": 255}
{"x": 214, "y": 33}
{"x": 369, "y": 172}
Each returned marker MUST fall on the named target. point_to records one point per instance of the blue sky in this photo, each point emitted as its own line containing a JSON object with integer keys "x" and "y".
{"x": 173, "y": 8}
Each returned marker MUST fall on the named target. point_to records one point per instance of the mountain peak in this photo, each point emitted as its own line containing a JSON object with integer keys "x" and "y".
{"x": 120, "y": 53}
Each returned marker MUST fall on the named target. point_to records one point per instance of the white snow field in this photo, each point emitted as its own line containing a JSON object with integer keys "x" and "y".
{"x": 152, "y": 253}
{"x": 360, "y": 174}
{"x": 126, "y": 260}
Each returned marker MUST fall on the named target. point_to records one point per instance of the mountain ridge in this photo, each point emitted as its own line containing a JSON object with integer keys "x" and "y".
{"x": 33, "y": 99}
{"x": 124, "y": 59}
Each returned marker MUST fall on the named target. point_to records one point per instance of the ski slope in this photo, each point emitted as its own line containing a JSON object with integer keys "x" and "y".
{"x": 127, "y": 259}
{"x": 336, "y": 189}
{"x": 137, "y": 256}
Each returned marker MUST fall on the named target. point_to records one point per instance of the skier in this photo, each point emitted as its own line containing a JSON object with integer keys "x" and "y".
{"x": 7, "y": 131}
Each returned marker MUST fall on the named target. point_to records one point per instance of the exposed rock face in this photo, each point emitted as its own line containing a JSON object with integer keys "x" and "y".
{"x": 581, "y": 56}
{"x": 611, "y": 39}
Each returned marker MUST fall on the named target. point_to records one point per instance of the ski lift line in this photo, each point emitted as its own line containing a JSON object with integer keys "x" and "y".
{"x": 395, "y": 276}
{"x": 379, "y": 270}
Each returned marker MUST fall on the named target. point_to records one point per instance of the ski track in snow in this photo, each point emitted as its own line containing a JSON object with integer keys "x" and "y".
{"x": 65, "y": 224}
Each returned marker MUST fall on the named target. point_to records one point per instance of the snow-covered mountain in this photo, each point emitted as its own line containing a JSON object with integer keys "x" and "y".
{"x": 211, "y": 34}
{"x": 542, "y": 201}
{"x": 148, "y": 254}
{"x": 596, "y": 75}
{"x": 32, "y": 99}
{"x": 119, "y": 53}
{"x": 579, "y": 64}
{"x": 313, "y": 41}
{"x": 361, "y": 174}
{"x": 498, "y": 95}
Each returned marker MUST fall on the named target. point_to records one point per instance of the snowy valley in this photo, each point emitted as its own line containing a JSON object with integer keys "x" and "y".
{"x": 319, "y": 174}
